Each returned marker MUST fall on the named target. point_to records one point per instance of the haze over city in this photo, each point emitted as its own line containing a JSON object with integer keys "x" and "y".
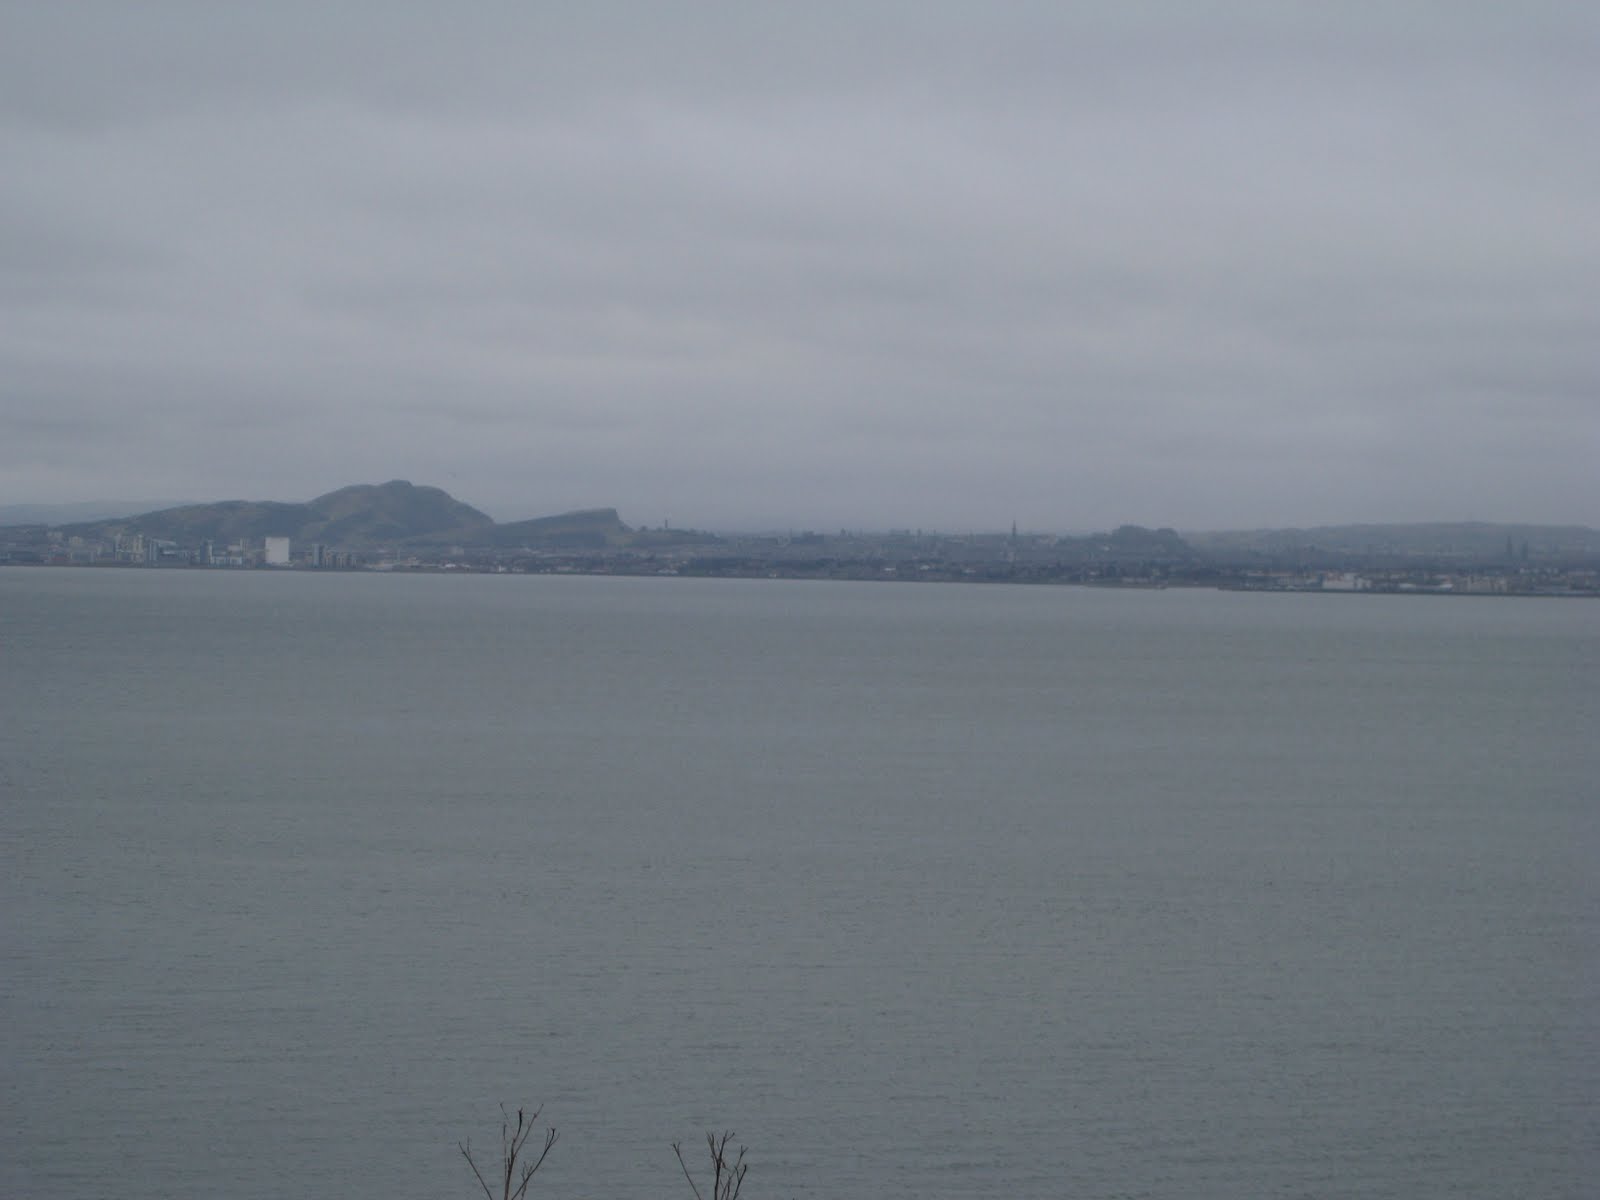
{"x": 735, "y": 266}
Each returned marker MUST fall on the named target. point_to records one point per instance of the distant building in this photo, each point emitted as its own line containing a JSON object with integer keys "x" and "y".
{"x": 277, "y": 552}
{"x": 1344, "y": 581}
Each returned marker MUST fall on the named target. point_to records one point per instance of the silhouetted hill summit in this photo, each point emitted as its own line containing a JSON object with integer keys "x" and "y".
{"x": 392, "y": 511}
{"x": 360, "y": 515}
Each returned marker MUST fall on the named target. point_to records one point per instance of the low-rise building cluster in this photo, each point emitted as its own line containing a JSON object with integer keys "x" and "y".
{"x": 136, "y": 549}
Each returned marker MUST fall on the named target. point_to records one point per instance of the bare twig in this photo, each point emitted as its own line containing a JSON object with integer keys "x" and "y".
{"x": 466, "y": 1153}
{"x": 512, "y": 1144}
{"x": 677, "y": 1148}
{"x": 726, "y": 1177}
{"x": 528, "y": 1169}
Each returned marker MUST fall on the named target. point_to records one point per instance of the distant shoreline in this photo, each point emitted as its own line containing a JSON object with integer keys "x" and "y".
{"x": 644, "y": 572}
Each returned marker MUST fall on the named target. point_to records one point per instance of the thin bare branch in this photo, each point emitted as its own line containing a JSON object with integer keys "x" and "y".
{"x": 513, "y": 1167}
{"x": 727, "y": 1176}
{"x": 529, "y": 1170}
{"x": 677, "y": 1148}
{"x": 466, "y": 1153}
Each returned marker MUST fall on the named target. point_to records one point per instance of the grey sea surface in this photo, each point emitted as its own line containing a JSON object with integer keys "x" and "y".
{"x": 925, "y": 890}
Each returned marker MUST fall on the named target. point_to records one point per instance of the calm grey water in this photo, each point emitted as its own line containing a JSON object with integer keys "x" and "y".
{"x": 927, "y": 891}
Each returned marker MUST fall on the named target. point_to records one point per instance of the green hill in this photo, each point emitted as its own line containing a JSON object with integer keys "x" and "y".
{"x": 585, "y": 529}
{"x": 366, "y": 515}
{"x": 394, "y": 511}
{"x": 222, "y": 522}
{"x": 362, "y": 515}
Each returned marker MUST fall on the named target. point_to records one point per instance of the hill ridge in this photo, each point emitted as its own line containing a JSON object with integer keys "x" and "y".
{"x": 356, "y": 516}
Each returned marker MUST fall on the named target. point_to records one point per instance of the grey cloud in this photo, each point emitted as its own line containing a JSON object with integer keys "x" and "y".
{"x": 911, "y": 264}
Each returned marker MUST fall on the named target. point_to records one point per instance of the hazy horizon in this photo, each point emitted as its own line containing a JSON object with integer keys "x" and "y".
{"x": 883, "y": 265}
{"x": 91, "y": 510}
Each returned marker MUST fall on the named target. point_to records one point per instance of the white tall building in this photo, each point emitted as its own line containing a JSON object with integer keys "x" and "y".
{"x": 277, "y": 552}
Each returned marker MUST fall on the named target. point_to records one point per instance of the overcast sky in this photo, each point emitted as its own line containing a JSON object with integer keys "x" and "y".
{"x": 757, "y": 265}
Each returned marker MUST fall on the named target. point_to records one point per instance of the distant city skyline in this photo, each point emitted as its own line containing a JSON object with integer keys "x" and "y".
{"x": 944, "y": 265}
{"x": 78, "y": 512}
